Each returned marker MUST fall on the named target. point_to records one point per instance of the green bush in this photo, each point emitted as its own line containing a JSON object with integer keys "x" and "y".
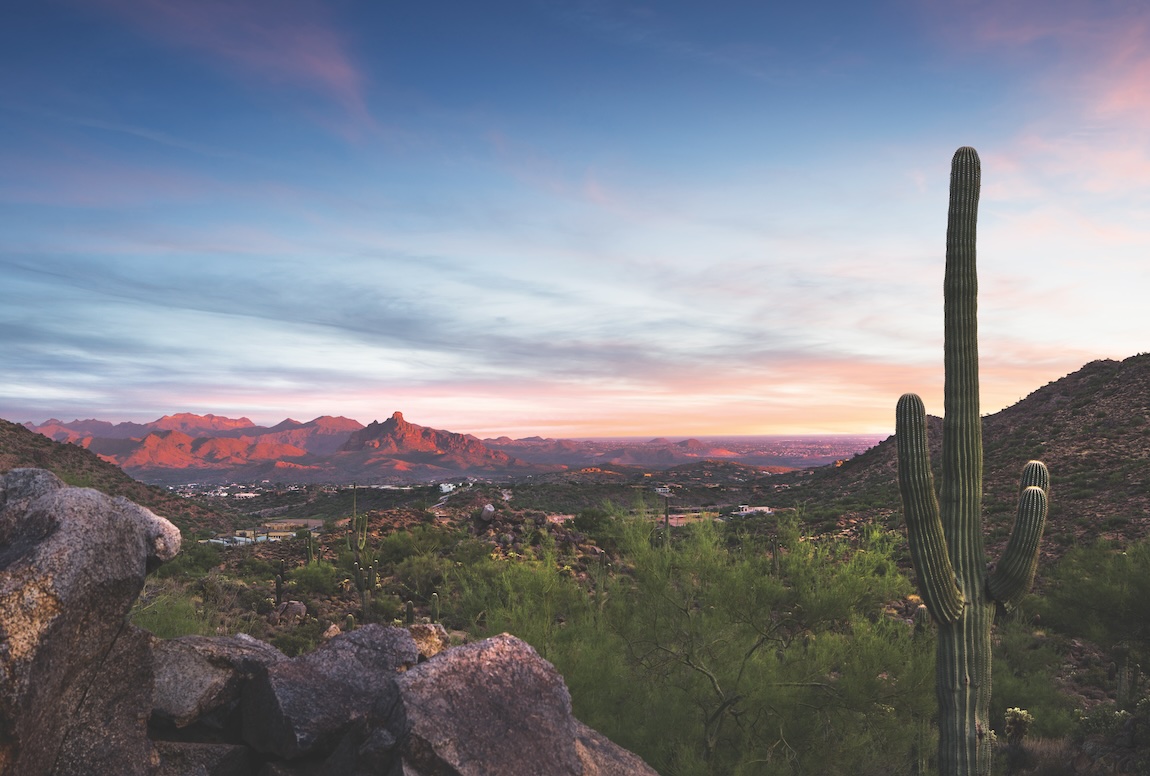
{"x": 256, "y": 569}
{"x": 704, "y": 660}
{"x": 1026, "y": 662}
{"x": 305, "y": 637}
{"x": 320, "y": 578}
{"x": 1102, "y": 593}
{"x": 421, "y": 575}
{"x": 591, "y": 521}
{"x": 1104, "y": 720}
{"x": 193, "y": 561}
{"x": 169, "y": 613}
{"x": 420, "y": 540}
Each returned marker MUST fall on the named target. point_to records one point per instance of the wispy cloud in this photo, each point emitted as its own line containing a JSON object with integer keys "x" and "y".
{"x": 645, "y": 27}
{"x": 293, "y": 45}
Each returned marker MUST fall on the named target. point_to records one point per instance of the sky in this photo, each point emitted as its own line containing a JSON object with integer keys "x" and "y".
{"x": 595, "y": 217}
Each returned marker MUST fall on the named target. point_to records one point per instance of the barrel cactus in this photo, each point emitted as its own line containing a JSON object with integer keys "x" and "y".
{"x": 945, "y": 531}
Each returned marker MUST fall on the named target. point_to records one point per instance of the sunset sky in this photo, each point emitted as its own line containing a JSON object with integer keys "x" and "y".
{"x": 559, "y": 218}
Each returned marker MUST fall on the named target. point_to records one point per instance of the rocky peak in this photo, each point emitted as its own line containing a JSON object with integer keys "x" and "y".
{"x": 197, "y": 425}
{"x": 396, "y": 436}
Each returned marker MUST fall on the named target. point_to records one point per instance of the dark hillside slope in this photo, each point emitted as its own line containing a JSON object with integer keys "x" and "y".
{"x": 20, "y": 447}
{"x": 1091, "y": 428}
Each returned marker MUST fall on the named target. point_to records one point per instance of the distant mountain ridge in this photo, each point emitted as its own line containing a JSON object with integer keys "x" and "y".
{"x": 185, "y": 447}
{"x": 209, "y": 448}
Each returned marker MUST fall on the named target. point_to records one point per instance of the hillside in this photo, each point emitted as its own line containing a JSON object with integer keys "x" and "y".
{"x": 1090, "y": 428}
{"x": 20, "y": 447}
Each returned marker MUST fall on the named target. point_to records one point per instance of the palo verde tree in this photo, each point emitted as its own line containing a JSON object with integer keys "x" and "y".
{"x": 945, "y": 531}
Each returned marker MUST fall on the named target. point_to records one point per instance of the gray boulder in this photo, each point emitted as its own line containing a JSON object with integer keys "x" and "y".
{"x": 201, "y": 679}
{"x": 184, "y": 758}
{"x": 484, "y": 709}
{"x": 492, "y": 708}
{"x": 72, "y": 561}
{"x": 107, "y": 733}
{"x": 603, "y": 757}
{"x": 304, "y": 705}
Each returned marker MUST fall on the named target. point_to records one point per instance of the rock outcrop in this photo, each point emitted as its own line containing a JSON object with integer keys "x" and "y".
{"x": 81, "y": 692}
{"x": 72, "y": 561}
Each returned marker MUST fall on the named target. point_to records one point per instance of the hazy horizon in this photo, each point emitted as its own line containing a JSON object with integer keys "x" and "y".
{"x": 670, "y": 436}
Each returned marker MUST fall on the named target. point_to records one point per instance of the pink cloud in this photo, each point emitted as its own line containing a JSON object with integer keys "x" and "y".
{"x": 284, "y": 43}
{"x": 1084, "y": 82}
{"x": 75, "y": 178}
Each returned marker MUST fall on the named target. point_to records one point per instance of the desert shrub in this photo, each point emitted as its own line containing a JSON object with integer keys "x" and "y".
{"x": 305, "y": 637}
{"x": 421, "y": 575}
{"x": 469, "y": 552}
{"x": 193, "y": 561}
{"x": 255, "y": 568}
{"x": 420, "y": 540}
{"x": 1102, "y": 593}
{"x": 1105, "y": 720}
{"x": 591, "y": 521}
{"x": 320, "y": 578}
{"x": 1026, "y": 662}
{"x": 169, "y": 611}
{"x": 705, "y": 660}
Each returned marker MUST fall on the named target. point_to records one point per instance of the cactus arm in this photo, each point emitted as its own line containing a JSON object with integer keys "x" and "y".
{"x": 924, "y": 526}
{"x": 1035, "y": 474}
{"x": 1011, "y": 580}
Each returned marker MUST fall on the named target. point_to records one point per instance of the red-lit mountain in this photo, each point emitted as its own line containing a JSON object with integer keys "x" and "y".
{"x": 397, "y": 439}
{"x": 184, "y": 447}
{"x": 207, "y": 448}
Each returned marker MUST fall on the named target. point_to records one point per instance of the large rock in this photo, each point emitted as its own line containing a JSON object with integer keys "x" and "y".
{"x": 304, "y": 705}
{"x": 200, "y": 679}
{"x": 182, "y": 758}
{"x": 603, "y": 757}
{"x": 72, "y": 561}
{"x": 108, "y": 732}
{"x": 493, "y": 708}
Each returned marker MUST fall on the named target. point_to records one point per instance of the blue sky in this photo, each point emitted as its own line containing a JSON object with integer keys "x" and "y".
{"x": 559, "y": 218}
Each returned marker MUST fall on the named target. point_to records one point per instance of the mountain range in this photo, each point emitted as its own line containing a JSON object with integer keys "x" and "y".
{"x": 183, "y": 448}
{"x": 1091, "y": 427}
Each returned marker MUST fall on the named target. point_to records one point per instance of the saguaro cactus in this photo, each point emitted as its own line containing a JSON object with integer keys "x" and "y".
{"x": 945, "y": 532}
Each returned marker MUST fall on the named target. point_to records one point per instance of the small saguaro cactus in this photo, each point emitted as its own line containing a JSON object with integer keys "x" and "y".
{"x": 356, "y": 527}
{"x": 311, "y": 549}
{"x": 365, "y": 580}
{"x": 281, "y": 577}
{"x": 945, "y": 531}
